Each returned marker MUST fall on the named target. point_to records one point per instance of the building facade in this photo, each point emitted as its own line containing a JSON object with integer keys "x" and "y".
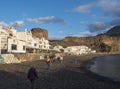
{"x": 12, "y": 41}
{"x": 58, "y": 47}
{"x": 78, "y": 50}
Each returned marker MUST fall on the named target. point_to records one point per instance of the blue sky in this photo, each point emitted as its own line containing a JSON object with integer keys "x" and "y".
{"x": 61, "y": 17}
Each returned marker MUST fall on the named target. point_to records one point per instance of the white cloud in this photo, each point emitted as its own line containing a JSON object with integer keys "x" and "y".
{"x": 49, "y": 19}
{"x": 82, "y": 9}
{"x": 60, "y": 31}
{"x": 114, "y": 22}
{"x": 55, "y": 38}
{"x": 83, "y": 22}
{"x": 19, "y": 23}
{"x": 87, "y": 33}
{"x": 95, "y": 17}
{"x": 41, "y": 19}
{"x": 97, "y": 27}
{"x": 110, "y": 7}
{"x": 83, "y": 34}
{"x": 14, "y": 24}
{"x": 3, "y": 24}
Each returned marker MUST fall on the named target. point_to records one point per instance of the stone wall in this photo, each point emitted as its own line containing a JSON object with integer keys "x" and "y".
{"x": 10, "y": 58}
{"x": 18, "y": 58}
{"x": 29, "y": 56}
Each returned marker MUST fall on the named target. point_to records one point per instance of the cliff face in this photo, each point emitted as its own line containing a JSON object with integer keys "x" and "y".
{"x": 39, "y": 32}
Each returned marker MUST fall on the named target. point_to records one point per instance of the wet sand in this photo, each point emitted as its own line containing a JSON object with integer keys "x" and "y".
{"x": 66, "y": 75}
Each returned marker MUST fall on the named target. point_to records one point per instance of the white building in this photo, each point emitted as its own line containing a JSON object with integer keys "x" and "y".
{"x": 16, "y": 41}
{"x": 20, "y": 42}
{"x": 58, "y": 47}
{"x": 16, "y": 46}
{"x": 44, "y": 44}
{"x": 3, "y": 39}
{"x": 77, "y": 50}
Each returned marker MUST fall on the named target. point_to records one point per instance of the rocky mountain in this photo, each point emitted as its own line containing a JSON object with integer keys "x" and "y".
{"x": 108, "y": 42}
{"x": 39, "y": 32}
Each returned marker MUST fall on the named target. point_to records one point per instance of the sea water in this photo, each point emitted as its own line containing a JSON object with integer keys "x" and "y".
{"x": 107, "y": 66}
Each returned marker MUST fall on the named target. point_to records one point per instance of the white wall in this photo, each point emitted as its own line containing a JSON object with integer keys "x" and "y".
{"x": 3, "y": 35}
{"x": 58, "y": 47}
{"x": 78, "y": 50}
{"x": 19, "y": 44}
{"x": 21, "y": 36}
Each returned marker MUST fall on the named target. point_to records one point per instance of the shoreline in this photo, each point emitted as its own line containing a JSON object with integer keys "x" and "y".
{"x": 98, "y": 75}
{"x": 93, "y": 74}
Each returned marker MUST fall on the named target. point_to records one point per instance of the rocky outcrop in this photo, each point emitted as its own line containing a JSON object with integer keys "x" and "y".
{"x": 39, "y": 32}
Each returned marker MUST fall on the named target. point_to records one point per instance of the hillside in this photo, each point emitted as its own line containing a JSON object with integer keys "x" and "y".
{"x": 108, "y": 42}
{"x": 115, "y": 31}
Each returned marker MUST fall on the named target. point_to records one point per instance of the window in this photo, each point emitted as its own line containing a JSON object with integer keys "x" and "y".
{"x": 29, "y": 42}
{"x": 14, "y": 40}
{"x": 40, "y": 42}
{"x": 35, "y": 44}
{"x": 14, "y": 47}
{"x": 10, "y": 34}
{"x": 23, "y": 47}
{"x": 40, "y": 46}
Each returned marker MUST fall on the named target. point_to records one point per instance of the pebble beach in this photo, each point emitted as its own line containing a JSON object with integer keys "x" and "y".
{"x": 65, "y": 75}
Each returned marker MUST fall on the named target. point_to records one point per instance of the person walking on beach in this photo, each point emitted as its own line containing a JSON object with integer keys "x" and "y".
{"x": 48, "y": 62}
{"x": 54, "y": 59}
{"x": 61, "y": 59}
{"x": 75, "y": 60}
{"x": 32, "y": 76}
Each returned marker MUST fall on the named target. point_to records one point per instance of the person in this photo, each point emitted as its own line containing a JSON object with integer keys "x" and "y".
{"x": 48, "y": 63}
{"x": 75, "y": 60}
{"x": 54, "y": 58}
{"x": 51, "y": 57}
{"x": 61, "y": 59}
{"x": 32, "y": 76}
